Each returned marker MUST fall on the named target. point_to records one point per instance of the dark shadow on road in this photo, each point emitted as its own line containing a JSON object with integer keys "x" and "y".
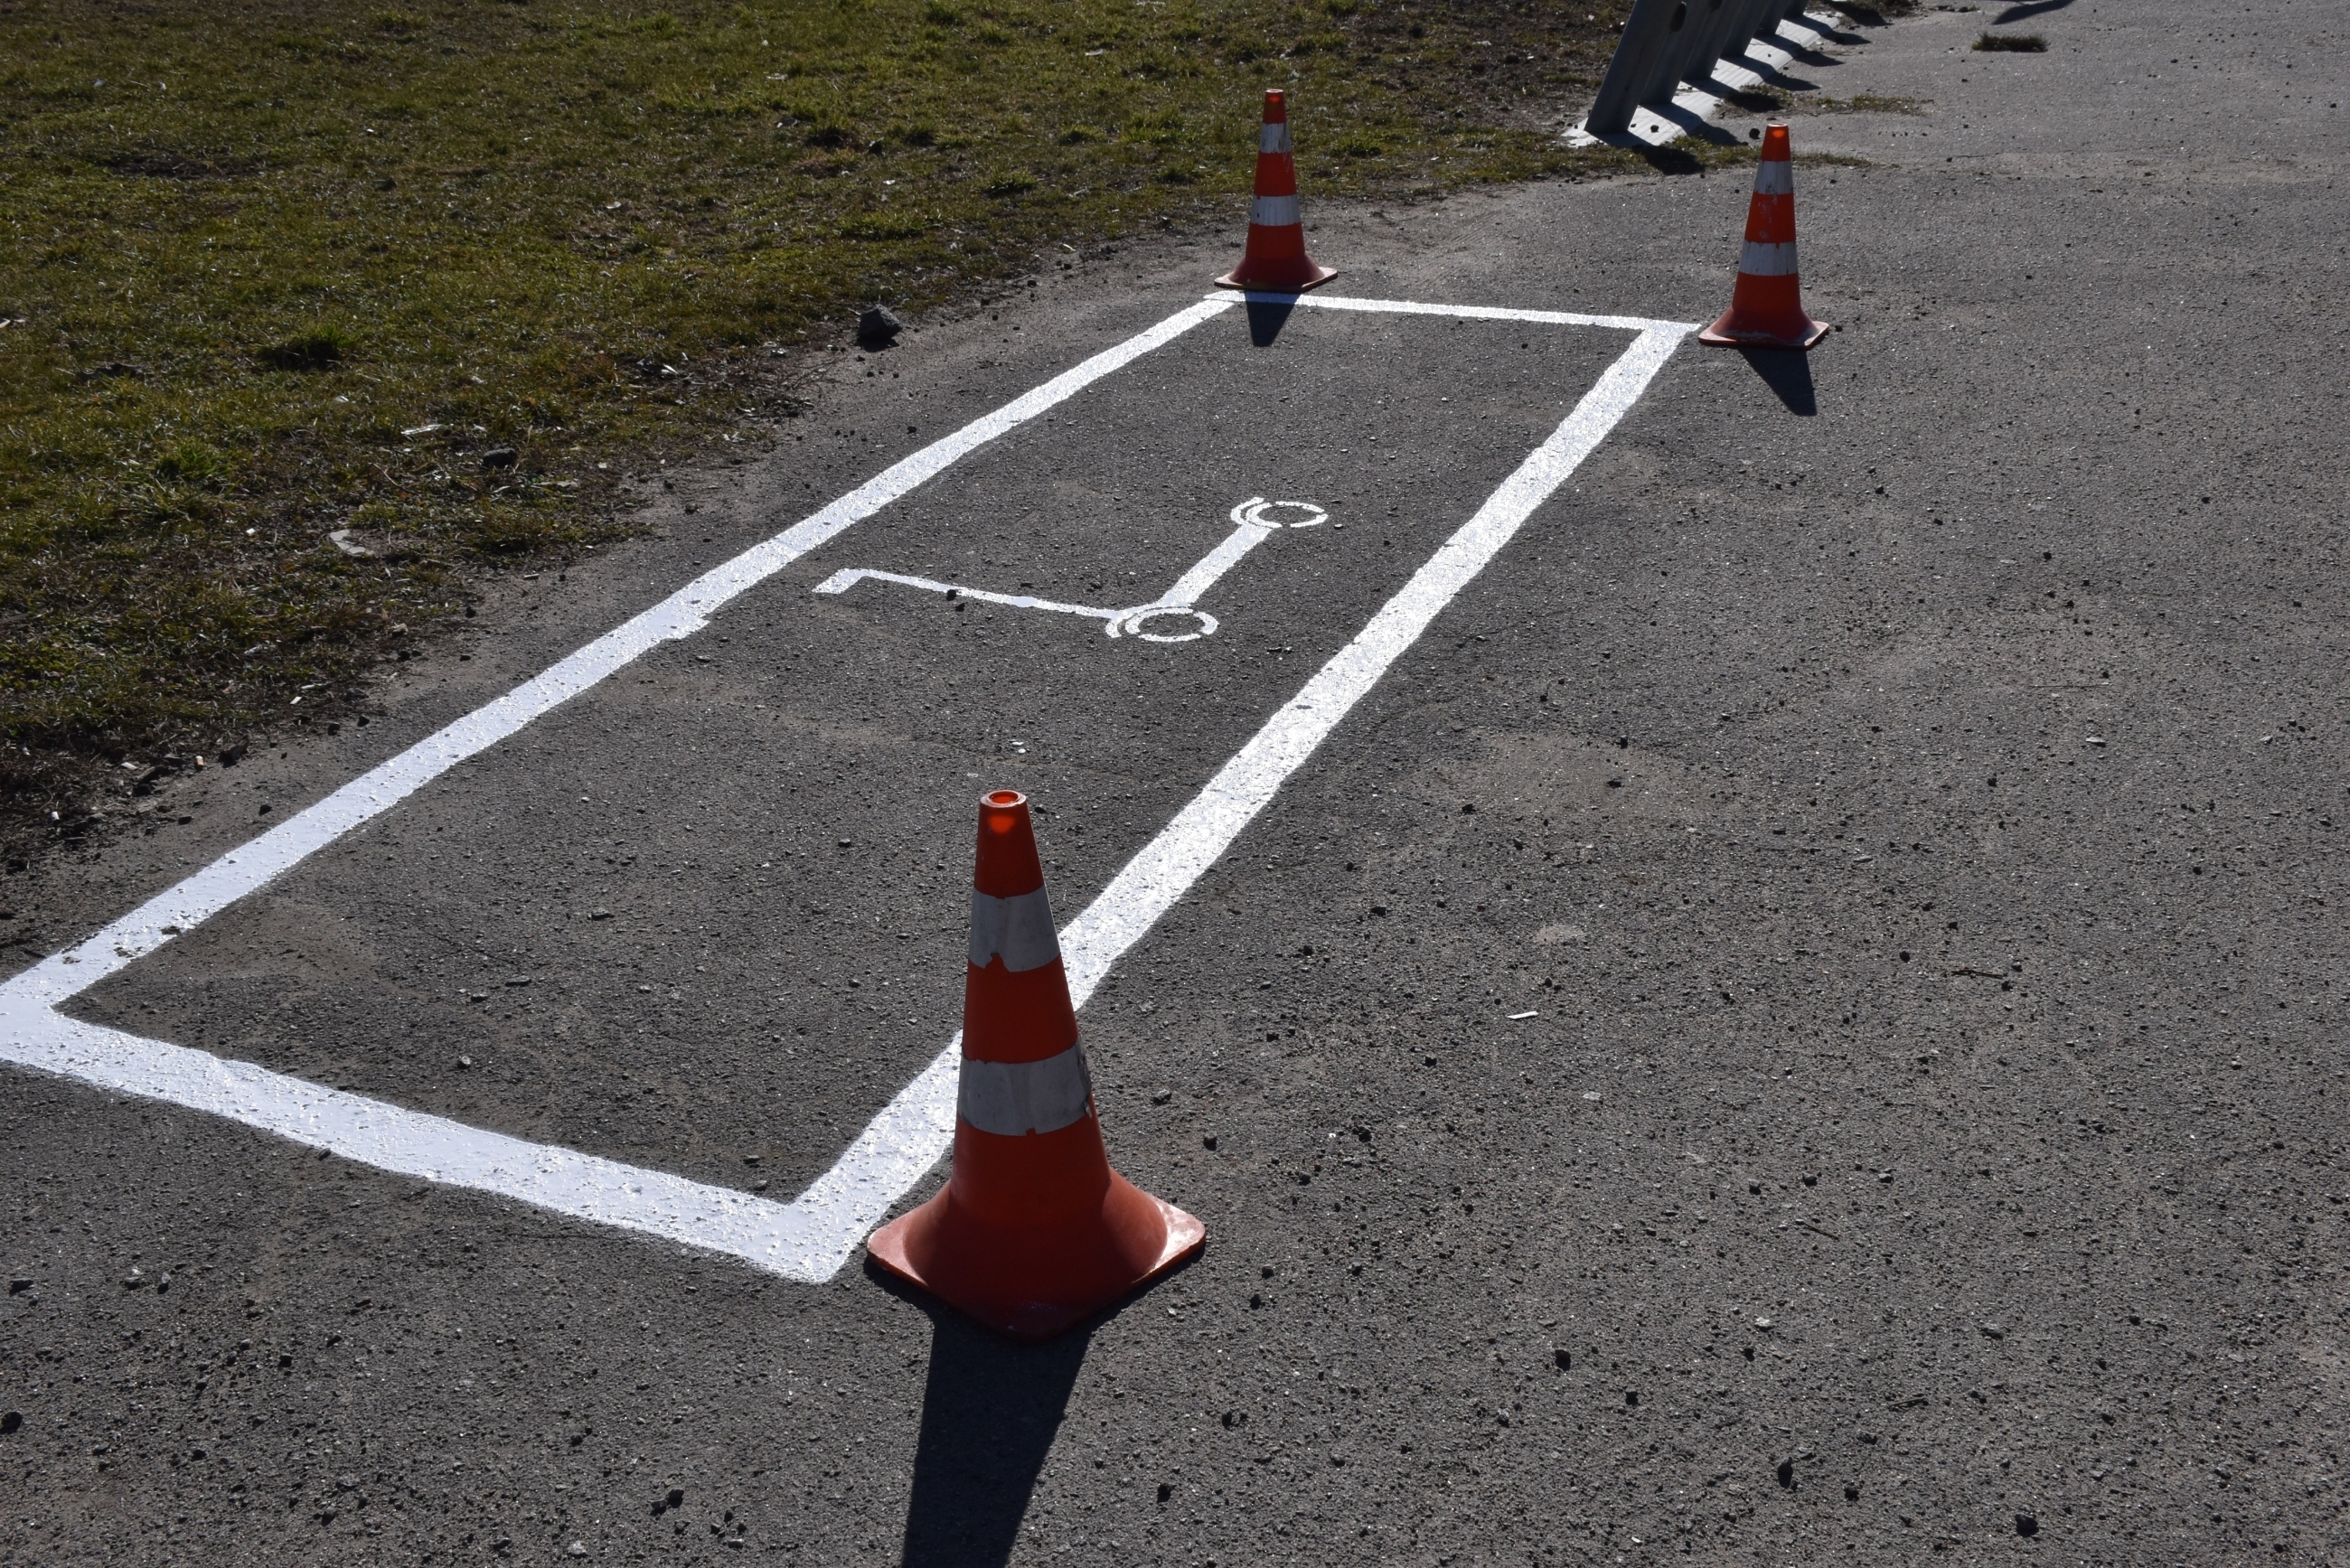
{"x": 1692, "y": 125}
{"x": 990, "y": 1413}
{"x": 1798, "y": 55}
{"x": 1832, "y": 35}
{"x": 1766, "y": 95}
{"x": 2029, "y": 9}
{"x": 1268, "y": 313}
{"x": 1670, "y": 160}
{"x": 1788, "y": 372}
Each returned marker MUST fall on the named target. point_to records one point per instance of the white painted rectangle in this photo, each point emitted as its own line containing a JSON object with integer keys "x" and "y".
{"x": 811, "y": 1236}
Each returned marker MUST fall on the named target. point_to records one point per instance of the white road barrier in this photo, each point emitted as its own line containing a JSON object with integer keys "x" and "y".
{"x": 1714, "y": 47}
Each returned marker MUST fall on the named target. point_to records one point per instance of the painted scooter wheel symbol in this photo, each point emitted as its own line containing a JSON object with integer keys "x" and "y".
{"x": 1252, "y": 514}
{"x": 1132, "y": 622}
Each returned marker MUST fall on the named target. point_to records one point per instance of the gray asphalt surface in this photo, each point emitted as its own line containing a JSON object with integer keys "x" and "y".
{"x": 1907, "y": 787}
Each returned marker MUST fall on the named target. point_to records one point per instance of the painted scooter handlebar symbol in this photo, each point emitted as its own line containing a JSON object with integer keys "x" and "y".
{"x": 1172, "y": 616}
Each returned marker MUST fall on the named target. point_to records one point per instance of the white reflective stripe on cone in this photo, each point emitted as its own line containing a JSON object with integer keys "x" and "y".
{"x": 1020, "y": 927}
{"x": 1759, "y": 260}
{"x": 1274, "y": 137}
{"x": 1273, "y": 212}
{"x": 1012, "y": 1099}
{"x": 1774, "y": 177}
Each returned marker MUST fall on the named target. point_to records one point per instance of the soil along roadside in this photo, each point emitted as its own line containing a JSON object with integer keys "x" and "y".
{"x": 315, "y": 312}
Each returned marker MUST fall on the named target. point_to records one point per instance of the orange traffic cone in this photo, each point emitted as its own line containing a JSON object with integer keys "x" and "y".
{"x": 1034, "y": 1230}
{"x": 1275, "y": 259}
{"x": 1766, "y": 307}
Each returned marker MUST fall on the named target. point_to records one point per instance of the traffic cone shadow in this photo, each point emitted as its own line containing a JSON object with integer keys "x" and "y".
{"x": 1034, "y": 1231}
{"x": 991, "y": 1410}
{"x": 1788, "y": 374}
{"x": 1267, "y": 318}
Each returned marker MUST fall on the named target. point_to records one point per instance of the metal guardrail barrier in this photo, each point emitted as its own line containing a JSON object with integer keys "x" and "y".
{"x": 1668, "y": 42}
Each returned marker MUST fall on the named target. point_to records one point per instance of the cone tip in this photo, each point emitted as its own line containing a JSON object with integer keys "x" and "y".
{"x": 1002, "y": 812}
{"x": 1774, "y": 139}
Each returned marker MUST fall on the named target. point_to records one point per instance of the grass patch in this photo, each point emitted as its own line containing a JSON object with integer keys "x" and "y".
{"x": 320, "y": 348}
{"x": 1864, "y": 103}
{"x": 2012, "y": 43}
{"x": 280, "y": 270}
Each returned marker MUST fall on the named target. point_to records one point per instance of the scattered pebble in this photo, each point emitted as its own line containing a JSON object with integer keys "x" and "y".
{"x": 877, "y": 327}
{"x": 498, "y": 457}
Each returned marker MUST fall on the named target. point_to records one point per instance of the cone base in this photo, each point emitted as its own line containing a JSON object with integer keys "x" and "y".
{"x": 1289, "y": 280}
{"x": 1727, "y": 333}
{"x": 1033, "y": 1282}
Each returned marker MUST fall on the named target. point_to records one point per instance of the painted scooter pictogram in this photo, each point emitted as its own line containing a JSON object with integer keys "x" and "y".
{"x": 1172, "y": 616}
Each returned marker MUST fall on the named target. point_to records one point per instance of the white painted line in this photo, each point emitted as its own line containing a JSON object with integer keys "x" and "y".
{"x": 1466, "y": 312}
{"x": 1653, "y": 130}
{"x": 811, "y": 1237}
{"x": 768, "y": 1235}
{"x": 682, "y": 614}
{"x": 842, "y": 581}
{"x": 1204, "y": 571}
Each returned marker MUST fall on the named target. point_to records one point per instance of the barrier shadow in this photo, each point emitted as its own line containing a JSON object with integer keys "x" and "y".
{"x": 1787, "y": 372}
{"x": 2027, "y": 10}
{"x": 1669, "y": 159}
{"x": 1833, "y": 35}
{"x": 1267, "y": 315}
{"x": 991, "y": 1410}
{"x": 1773, "y": 76}
{"x": 1693, "y": 125}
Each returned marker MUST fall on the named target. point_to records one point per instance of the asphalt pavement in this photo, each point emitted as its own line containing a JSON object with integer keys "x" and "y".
{"x": 1799, "y": 1021}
